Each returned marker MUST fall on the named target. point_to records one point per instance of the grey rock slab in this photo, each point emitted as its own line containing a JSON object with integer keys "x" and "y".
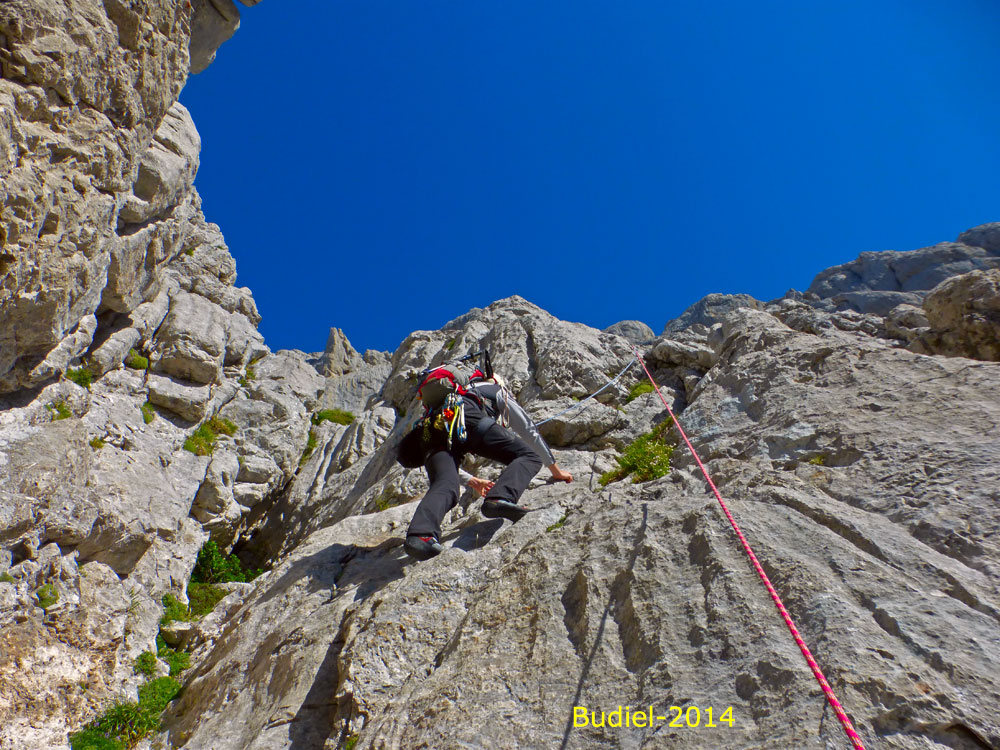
{"x": 986, "y": 236}
{"x": 709, "y": 310}
{"x": 191, "y": 342}
{"x": 878, "y": 281}
{"x": 213, "y": 23}
{"x": 963, "y": 315}
{"x": 187, "y": 400}
{"x": 635, "y": 331}
{"x": 339, "y": 357}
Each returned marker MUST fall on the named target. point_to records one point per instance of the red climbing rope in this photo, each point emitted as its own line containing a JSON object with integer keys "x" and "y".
{"x": 817, "y": 672}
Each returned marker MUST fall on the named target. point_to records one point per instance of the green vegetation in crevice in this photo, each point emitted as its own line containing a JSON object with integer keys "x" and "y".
{"x": 97, "y": 443}
{"x": 136, "y": 361}
{"x": 639, "y": 389}
{"x": 201, "y": 442}
{"x": 126, "y": 723}
{"x": 47, "y": 596}
{"x": 351, "y": 741}
{"x": 148, "y": 412}
{"x": 6, "y": 577}
{"x": 338, "y": 416}
{"x": 145, "y": 664}
{"x": 59, "y": 410}
{"x": 82, "y": 376}
{"x": 213, "y": 566}
{"x": 819, "y": 460}
{"x": 178, "y": 661}
{"x": 311, "y": 442}
{"x": 249, "y": 375}
{"x": 647, "y": 458}
{"x": 560, "y": 523}
{"x": 387, "y": 499}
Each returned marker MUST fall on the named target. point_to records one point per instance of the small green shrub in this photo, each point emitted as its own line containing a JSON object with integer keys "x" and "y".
{"x": 6, "y": 577}
{"x": 145, "y": 664}
{"x": 351, "y": 742}
{"x": 156, "y": 694}
{"x": 249, "y": 375}
{"x": 92, "y": 739}
{"x": 214, "y": 567}
{"x": 450, "y": 344}
{"x": 648, "y": 457}
{"x": 96, "y": 443}
{"x": 819, "y": 460}
{"x": 203, "y": 598}
{"x": 126, "y": 722}
{"x": 82, "y": 376}
{"x": 311, "y": 442}
{"x": 173, "y": 610}
{"x": 59, "y": 410}
{"x": 136, "y": 361}
{"x": 148, "y": 412}
{"x": 222, "y": 426}
{"x": 639, "y": 389}
{"x": 559, "y": 524}
{"x": 201, "y": 442}
{"x": 178, "y": 661}
{"x": 47, "y": 596}
{"x": 338, "y": 416}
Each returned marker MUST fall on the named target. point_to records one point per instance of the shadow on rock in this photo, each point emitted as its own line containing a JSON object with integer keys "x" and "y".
{"x": 477, "y": 535}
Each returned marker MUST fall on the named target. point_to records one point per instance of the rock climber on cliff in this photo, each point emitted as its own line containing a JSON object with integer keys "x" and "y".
{"x": 495, "y": 427}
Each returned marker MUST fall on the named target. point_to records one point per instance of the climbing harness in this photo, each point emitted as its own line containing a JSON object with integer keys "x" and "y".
{"x": 602, "y": 388}
{"x": 817, "y": 672}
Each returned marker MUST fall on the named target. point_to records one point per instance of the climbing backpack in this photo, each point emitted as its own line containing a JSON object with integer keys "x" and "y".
{"x": 441, "y": 389}
{"x": 438, "y": 382}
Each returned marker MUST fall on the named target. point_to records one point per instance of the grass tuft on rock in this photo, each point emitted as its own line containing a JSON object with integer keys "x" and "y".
{"x": 647, "y": 458}
{"x": 126, "y": 723}
{"x": 338, "y": 416}
{"x": 311, "y": 442}
{"x": 47, "y": 596}
{"x": 59, "y": 410}
{"x": 82, "y": 376}
{"x": 201, "y": 442}
{"x": 136, "y": 361}
{"x": 639, "y": 389}
{"x": 92, "y": 739}
{"x": 178, "y": 661}
{"x": 145, "y": 664}
{"x": 148, "y": 412}
{"x": 97, "y": 443}
{"x": 6, "y": 577}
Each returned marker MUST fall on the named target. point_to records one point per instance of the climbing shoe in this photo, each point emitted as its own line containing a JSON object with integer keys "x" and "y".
{"x": 422, "y": 547}
{"x": 503, "y": 509}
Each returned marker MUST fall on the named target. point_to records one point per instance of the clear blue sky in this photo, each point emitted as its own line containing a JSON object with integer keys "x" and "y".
{"x": 382, "y": 166}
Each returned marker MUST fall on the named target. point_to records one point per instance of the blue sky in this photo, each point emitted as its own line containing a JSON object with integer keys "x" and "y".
{"x": 383, "y": 166}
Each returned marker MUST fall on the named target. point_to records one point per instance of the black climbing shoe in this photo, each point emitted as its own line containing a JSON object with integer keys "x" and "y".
{"x": 503, "y": 509}
{"x": 422, "y": 547}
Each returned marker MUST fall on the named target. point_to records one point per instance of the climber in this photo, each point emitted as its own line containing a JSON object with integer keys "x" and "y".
{"x": 488, "y": 408}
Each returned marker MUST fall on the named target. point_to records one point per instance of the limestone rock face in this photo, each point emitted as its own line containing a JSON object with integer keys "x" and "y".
{"x": 864, "y": 475}
{"x": 97, "y": 161}
{"x": 963, "y": 314}
{"x": 878, "y": 281}
{"x": 852, "y": 430}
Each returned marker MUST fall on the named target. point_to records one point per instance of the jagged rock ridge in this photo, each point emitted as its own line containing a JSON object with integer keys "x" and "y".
{"x": 852, "y": 428}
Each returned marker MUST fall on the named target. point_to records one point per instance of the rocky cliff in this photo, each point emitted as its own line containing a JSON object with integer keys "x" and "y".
{"x": 853, "y": 429}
